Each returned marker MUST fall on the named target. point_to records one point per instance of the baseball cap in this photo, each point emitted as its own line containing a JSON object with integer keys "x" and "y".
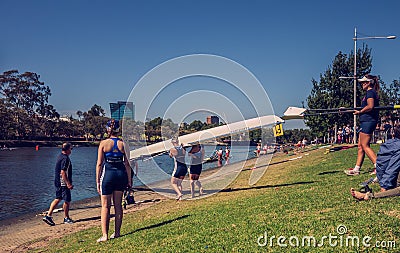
{"x": 364, "y": 79}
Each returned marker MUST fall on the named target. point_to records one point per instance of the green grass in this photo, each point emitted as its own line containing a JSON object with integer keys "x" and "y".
{"x": 305, "y": 197}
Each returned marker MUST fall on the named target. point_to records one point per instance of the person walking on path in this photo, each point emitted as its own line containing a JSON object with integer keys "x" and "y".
{"x": 63, "y": 184}
{"x": 368, "y": 121}
{"x": 113, "y": 176}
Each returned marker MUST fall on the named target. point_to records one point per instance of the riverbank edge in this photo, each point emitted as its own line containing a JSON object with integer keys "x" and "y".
{"x": 91, "y": 201}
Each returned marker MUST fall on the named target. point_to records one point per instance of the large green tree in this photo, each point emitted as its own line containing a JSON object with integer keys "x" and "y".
{"x": 332, "y": 92}
{"x": 7, "y": 129}
{"x": 27, "y": 97}
{"x": 94, "y": 122}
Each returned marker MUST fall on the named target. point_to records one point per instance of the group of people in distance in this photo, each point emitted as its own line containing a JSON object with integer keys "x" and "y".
{"x": 178, "y": 153}
{"x": 387, "y": 163}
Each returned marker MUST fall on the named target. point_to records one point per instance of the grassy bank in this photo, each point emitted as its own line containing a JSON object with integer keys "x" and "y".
{"x": 303, "y": 197}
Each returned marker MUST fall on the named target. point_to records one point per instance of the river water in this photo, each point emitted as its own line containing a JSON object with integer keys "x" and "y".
{"x": 27, "y": 175}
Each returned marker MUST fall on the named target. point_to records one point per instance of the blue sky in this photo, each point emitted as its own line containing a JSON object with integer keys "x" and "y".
{"x": 94, "y": 52}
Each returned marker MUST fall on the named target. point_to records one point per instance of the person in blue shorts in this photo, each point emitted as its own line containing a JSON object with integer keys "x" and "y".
{"x": 178, "y": 153}
{"x": 196, "y": 154}
{"x": 63, "y": 184}
{"x": 368, "y": 121}
{"x": 113, "y": 176}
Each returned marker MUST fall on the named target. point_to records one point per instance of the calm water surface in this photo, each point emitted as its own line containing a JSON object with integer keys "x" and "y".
{"x": 27, "y": 176}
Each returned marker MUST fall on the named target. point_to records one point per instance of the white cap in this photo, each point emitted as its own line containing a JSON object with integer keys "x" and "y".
{"x": 364, "y": 79}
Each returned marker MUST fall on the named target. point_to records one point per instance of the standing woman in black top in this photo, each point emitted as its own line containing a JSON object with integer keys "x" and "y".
{"x": 368, "y": 121}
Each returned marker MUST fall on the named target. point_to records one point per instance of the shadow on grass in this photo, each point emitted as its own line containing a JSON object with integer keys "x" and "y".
{"x": 328, "y": 172}
{"x": 263, "y": 166}
{"x": 157, "y": 225}
{"x": 266, "y": 186}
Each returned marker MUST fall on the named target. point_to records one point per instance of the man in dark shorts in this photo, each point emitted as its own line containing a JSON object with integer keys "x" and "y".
{"x": 63, "y": 184}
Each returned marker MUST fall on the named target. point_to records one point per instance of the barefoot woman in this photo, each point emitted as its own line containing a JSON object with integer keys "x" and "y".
{"x": 113, "y": 175}
{"x": 196, "y": 166}
{"x": 178, "y": 153}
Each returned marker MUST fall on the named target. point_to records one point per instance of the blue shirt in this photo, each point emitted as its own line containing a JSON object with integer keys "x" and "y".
{"x": 373, "y": 115}
{"x": 63, "y": 163}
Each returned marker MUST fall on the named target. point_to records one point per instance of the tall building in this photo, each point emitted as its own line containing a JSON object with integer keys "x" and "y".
{"x": 212, "y": 120}
{"x": 122, "y": 109}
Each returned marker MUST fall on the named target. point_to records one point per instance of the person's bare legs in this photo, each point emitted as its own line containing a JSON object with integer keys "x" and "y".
{"x": 117, "y": 198}
{"x": 53, "y": 205}
{"x": 359, "y": 195}
{"x": 105, "y": 217}
{"x": 383, "y": 193}
{"x": 360, "y": 152}
{"x": 194, "y": 180}
{"x": 198, "y": 183}
{"x": 66, "y": 209}
{"x": 192, "y": 187}
{"x": 180, "y": 184}
{"x": 174, "y": 184}
{"x": 365, "y": 144}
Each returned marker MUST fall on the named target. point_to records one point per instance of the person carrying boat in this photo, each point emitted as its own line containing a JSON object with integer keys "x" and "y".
{"x": 196, "y": 154}
{"x": 178, "y": 153}
{"x": 220, "y": 153}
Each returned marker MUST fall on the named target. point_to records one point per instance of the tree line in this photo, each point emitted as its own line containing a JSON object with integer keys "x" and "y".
{"x": 332, "y": 92}
{"x": 27, "y": 115}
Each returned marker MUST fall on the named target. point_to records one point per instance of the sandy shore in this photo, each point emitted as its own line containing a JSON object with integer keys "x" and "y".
{"x": 30, "y": 232}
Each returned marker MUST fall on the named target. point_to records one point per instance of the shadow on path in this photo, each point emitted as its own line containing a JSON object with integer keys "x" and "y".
{"x": 92, "y": 218}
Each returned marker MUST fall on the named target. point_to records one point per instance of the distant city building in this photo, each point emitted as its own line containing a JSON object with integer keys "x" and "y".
{"x": 122, "y": 109}
{"x": 212, "y": 120}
